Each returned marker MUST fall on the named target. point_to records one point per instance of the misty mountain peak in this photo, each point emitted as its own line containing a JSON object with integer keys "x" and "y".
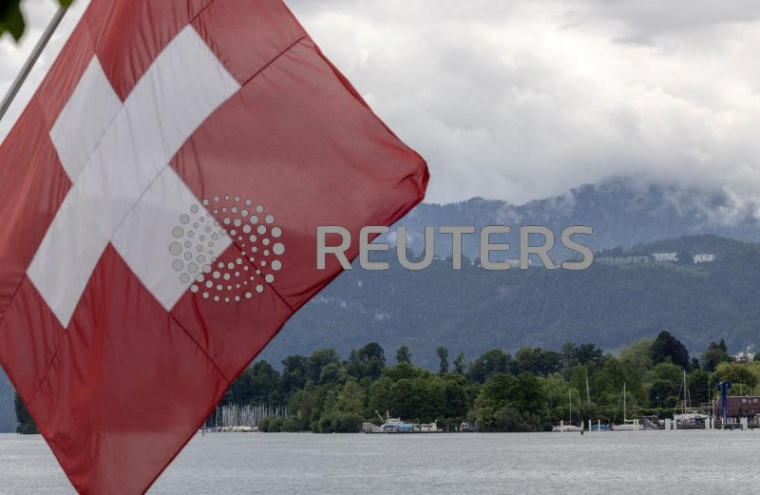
{"x": 623, "y": 212}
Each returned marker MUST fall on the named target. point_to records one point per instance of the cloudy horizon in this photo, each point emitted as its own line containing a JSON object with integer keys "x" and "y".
{"x": 525, "y": 100}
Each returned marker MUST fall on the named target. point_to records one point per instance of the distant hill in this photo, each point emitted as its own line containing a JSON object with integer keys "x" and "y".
{"x": 475, "y": 310}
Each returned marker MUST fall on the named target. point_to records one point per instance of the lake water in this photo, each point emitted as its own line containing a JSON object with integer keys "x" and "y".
{"x": 627, "y": 463}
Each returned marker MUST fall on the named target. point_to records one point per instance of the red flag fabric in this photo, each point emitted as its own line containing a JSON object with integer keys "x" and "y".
{"x": 160, "y": 198}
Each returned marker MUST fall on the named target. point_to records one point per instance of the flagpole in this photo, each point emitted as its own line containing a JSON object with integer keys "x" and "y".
{"x": 29, "y": 64}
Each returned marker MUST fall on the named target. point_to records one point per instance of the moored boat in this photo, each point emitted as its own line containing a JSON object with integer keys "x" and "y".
{"x": 566, "y": 428}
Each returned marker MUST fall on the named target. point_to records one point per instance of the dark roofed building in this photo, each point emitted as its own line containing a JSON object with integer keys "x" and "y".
{"x": 740, "y": 407}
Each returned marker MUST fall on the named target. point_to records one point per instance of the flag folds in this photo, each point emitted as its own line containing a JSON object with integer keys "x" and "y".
{"x": 159, "y": 204}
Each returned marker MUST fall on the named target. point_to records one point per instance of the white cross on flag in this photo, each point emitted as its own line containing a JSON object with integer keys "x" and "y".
{"x": 160, "y": 198}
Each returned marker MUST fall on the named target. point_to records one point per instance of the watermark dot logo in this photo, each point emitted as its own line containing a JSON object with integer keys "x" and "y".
{"x": 199, "y": 239}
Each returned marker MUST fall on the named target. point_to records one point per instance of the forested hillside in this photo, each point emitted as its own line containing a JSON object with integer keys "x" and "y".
{"x": 473, "y": 310}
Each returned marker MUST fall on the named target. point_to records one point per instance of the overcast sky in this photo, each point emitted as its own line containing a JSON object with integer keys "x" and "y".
{"x": 520, "y": 99}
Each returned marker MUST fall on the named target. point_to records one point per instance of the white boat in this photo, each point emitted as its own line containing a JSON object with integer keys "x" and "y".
{"x": 691, "y": 420}
{"x": 563, "y": 428}
{"x": 628, "y": 425}
{"x": 394, "y": 425}
{"x": 428, "y": 427}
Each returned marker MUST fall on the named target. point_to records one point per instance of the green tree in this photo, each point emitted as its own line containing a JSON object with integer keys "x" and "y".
{"x": 373, "y": 352}
{"x": 26, "y": 424}
{"x": 366, "y": 362}
{"x": 715, "y": 354}
{"x": 456, "y": 400}
{"x": 510, "y": 403}
{"x": 259, "y": 384}
{"x": 637, "y": 356}
{"x": 324, "y": 398}
{"x": 741, "y": 375}
{"x": 408, "y": 398}
{"x": 700, "y": 386}
{"x": 555, "y": 392}
{"x": 301, "y": 405}
{"x": 490, "y": 363}
{"x": 667, "y": 371}
{"x": 568, "y": 357}
{"x": 589, "y": 353}
{"x": 662, "y": 392}
{"x": 443, "y": 360}
{"x": 402, "y": 370}
{"x": 665, "y": 385}
{"x": 667, "y": 348}
{"x": 573, "y": 355}
{"x": 537, "y": 361}
{"x": 422, "y": 398}
{"x": 271, "y": 424}
{"x": 344, "y": 414}
{"x": 294, "y": 374}
{"x": 608, "y": 386}
{"x": 403, "y": 354}
{"x": 317, "y": 362}
{"x": 332, "y": 373}
{"x": 380, "y": 397}
{"x": 460, "y": 364}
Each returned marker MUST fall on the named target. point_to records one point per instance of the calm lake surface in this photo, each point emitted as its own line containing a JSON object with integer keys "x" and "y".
{"x": 628, "y": 463}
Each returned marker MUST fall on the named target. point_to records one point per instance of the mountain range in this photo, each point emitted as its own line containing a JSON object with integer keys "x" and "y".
{"x": 623, "y": 212}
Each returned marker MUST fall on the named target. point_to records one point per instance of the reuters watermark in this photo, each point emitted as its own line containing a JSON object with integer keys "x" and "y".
{"x": 203, "y": 234}
{"x": 335, "y": 241}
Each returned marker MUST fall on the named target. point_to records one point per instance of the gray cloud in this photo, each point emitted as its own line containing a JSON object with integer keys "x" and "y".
{"x": 521, "y": 100}
{"x": 647, "y": 19}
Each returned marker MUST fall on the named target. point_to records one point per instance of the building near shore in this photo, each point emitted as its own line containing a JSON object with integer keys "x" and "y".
{"x": 740, "y": 407}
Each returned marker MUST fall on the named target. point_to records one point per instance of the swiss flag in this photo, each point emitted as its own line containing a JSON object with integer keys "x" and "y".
{"x": 159, "y": 204}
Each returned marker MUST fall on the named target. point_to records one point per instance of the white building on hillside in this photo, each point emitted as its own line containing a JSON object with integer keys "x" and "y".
{"x": 704, "y": 258}
{"x": 665, "y": 256}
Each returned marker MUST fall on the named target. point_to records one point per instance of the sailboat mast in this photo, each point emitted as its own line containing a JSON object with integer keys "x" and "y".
{"x": 570, "y": 399}
{"x": 625, "y": 412}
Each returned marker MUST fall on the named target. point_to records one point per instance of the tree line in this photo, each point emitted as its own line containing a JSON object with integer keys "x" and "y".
{"x": 531, "y": 390}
